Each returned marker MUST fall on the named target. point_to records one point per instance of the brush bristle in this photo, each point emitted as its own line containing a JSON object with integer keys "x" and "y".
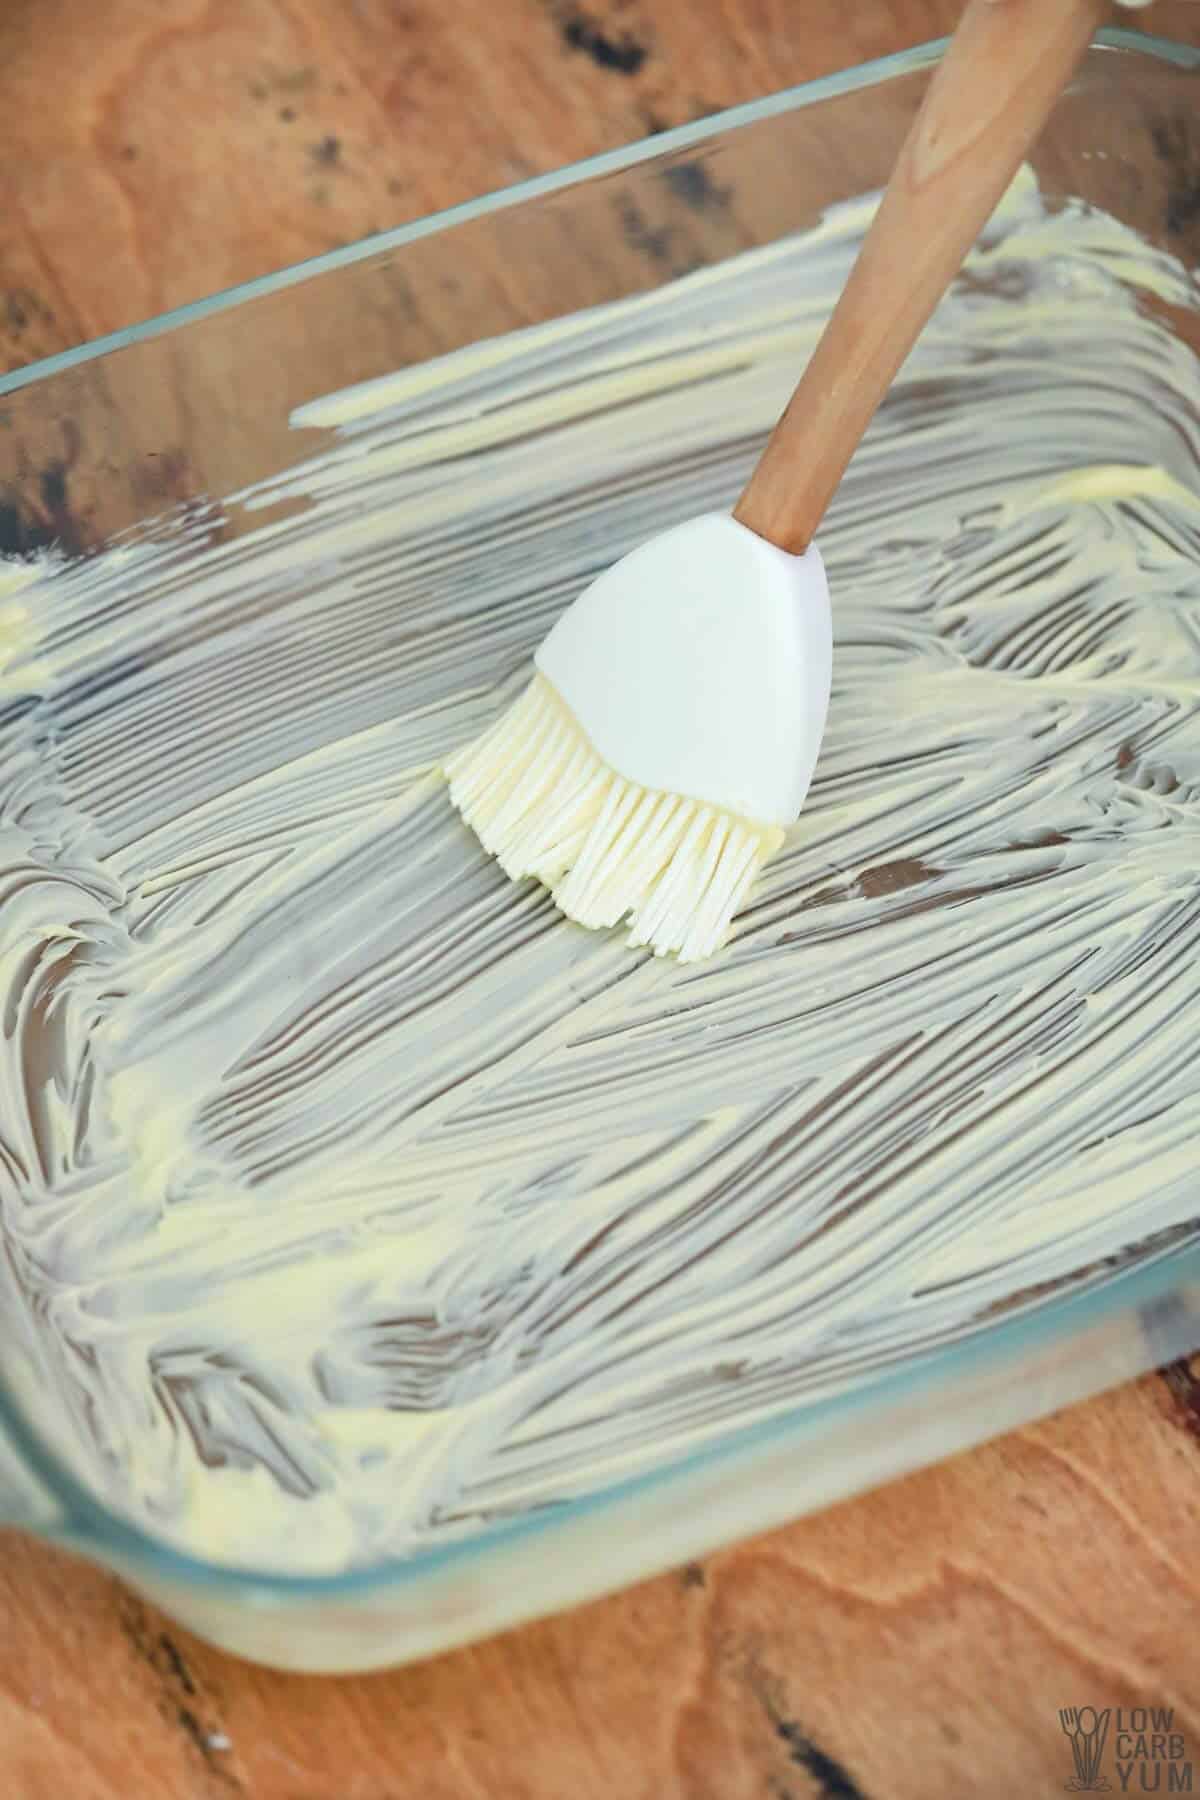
{"x": 543, "y": 803}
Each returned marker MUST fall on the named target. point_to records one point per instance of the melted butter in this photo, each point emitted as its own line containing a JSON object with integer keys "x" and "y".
{"x": 351, "y": 1195}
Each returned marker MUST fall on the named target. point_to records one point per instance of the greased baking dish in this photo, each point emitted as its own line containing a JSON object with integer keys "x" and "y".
{"x": 387, "y": 1261}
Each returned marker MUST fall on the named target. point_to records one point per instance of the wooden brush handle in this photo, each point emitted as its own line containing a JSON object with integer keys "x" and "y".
{"x": 989, "y": 97}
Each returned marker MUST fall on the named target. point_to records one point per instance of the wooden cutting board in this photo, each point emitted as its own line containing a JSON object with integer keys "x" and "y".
{"x": 917, "y": 1642}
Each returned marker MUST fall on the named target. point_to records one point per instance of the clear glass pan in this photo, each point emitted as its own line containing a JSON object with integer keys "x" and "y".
{"x": 197, "y": 403}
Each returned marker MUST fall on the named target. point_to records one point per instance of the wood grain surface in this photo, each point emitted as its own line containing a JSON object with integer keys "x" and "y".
{"x": 916, "y": 1642}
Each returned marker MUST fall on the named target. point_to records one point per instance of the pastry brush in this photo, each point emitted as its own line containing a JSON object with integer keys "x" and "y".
{"x": 671, "y": 729}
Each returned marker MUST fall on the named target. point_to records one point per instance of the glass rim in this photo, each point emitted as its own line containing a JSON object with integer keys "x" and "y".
{"x": 606, "y": 162}
{"x": 84, "y": 1522}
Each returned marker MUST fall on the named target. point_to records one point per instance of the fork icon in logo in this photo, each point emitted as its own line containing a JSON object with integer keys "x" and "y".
{"x": 1087, "y": 1730}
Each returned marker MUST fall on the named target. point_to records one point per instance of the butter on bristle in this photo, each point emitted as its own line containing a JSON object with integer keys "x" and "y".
{"x": 544, "y": 804}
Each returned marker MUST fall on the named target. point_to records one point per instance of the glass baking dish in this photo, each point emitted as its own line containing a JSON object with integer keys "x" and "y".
{"x": 201, "y": 427}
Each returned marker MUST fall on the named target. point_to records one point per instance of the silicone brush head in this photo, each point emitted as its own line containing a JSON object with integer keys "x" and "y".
{"x": 667, "y": 739}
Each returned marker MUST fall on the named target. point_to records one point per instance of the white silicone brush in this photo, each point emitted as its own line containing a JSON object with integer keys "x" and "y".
{"x": 672, "y": 726}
